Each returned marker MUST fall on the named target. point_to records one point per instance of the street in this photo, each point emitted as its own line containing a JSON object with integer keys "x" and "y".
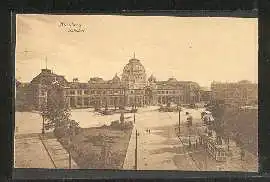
{"x": 158, "y": 150}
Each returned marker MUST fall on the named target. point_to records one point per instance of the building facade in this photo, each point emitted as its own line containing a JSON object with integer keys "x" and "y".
{"x": 132, "y": 89}
{"x": 239, "y": 93}
{"x": 205, "y": 94}
{"x": 40, "y": 84}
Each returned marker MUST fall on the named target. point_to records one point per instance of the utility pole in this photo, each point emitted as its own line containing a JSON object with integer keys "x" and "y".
{"x": 179, "y": 120}
{"x": 136, "y": 147}
{"x": 69, "y": 148}
{"x": 69, "y": 160}
{"x": 136, "y": 152}
{"x": 43, "y": 123}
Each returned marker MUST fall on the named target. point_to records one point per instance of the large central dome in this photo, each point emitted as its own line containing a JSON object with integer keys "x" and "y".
{"x": 134, "y": 72}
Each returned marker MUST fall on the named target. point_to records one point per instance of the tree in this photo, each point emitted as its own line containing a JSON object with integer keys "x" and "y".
{"x": 56, "y": 110}
{"x": 218, "y": 110}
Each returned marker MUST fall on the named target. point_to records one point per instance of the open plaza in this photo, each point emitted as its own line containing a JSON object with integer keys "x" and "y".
{"x": 159, "y": 149}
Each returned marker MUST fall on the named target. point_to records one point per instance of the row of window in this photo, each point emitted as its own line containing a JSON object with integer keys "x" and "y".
{"x": 86, "y": 101}
{"x": 106, "y": 92}
{"x": 79, "y": 92}
{"x": 169, "y": 92}
{"x": 136, "y": 91}
{"x": 164, "y": 99}
{"x": 86, "y": 92}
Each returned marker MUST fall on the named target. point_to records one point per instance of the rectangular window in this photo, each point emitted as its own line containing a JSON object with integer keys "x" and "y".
{"x": 42, "y": 93}
{"x": 79, "y": 101}
{"x": 79, "y": 92}
{"x": 72, "y": 92}
{"x": 86, "y": 92}
{"x": 167, "y": 92}
{"x": 86, "y": 101}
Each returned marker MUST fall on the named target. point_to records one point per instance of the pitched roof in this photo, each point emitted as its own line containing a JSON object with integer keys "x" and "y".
{"x": 172, "y": 84}
{"x": 46, "y": 77}
{"x": 76, "y": 85}
{"x": 106, "y": 85}
{"x": 206, "y": 89}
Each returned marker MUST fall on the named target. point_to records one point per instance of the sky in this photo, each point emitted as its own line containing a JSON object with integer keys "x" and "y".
{"x": 200, "y": 49}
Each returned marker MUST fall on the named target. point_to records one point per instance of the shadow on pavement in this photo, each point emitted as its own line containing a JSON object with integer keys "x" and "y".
{"x": 175, "y": 150}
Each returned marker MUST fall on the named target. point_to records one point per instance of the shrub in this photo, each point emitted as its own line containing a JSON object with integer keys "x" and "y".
{"x": 115, "y": 124}
{"x": 64, "y": 130}
{"x": 60, "y": 132}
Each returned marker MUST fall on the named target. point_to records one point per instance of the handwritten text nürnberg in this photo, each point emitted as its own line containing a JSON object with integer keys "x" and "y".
{"x": 72, "y": 27}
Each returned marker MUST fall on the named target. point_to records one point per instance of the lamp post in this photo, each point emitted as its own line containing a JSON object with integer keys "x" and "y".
{"x": 179, "y": 122}
{"x": 69, "y": 141}
{"x": 136, "y": 147}
{"x": 136, "y": 151}
{"x": 134, "y": 118}
{"x": 43, "y": 123}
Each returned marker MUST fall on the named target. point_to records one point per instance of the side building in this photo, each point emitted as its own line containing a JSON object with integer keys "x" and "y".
{"x": 236, "y": 94}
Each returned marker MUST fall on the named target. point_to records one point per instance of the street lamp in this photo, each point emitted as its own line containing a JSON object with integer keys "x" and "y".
{"x": 136, "y": 151}
{"x": 70, "y": 129}
{"x": 43, "y": 124}
{"x": 136, "y": 146}
{"x": 179, "y": 122}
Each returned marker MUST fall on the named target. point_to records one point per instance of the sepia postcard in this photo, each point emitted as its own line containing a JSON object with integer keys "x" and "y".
{"x": 136, "y": 92}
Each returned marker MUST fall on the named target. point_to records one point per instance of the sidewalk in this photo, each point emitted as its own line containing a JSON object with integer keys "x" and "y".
{"x": 58, "y": 154}
{"x": 129, "y": 162}
{"x": 30, "y": 153}
{"x": 34, "y": 151}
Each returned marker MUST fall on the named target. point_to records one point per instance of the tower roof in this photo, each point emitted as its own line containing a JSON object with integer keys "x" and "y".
{"x": 116, "y": 78}
{"x": 152, "y": 78}
{"x": 134, "y": 71}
